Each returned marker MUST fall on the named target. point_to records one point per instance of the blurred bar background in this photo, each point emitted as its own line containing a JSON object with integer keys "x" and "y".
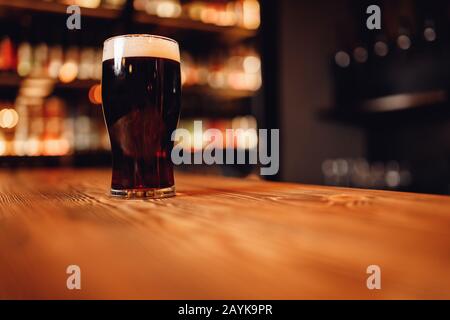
{"x": 355, "y": 107}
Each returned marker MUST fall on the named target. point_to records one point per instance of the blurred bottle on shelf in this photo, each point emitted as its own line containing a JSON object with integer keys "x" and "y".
{"x": 56, "y": 58}
{"x": 250, "y": 14}
{"x": 8, "y": 122}
{"x": 56, "y": 62}
{"x": 54, "y": 142}
{"x": 7, "y": 55}
{"x": 240, "y": 70}
{"x": 40, "y": 61}
{"x": 242, "y": 13}
{"x": 24, "y": 59}
{"x": 236, "y": 133}
{"x": 46, "y": 128}
{"x": 70, "y": 68}
{"x": 113, "y": 4}
{"x": 87, "y": 64}
{"x": 83, "y": 3}
{"x": 163, "y": 8}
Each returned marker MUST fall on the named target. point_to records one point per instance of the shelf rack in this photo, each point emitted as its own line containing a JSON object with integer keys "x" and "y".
{"x": 183, "y": 27}
{"x": 13, "y": 81}
{"x": 180, "y": 23}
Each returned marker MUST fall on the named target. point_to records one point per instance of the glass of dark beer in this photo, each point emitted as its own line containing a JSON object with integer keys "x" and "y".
{"x": 141, "y": 92}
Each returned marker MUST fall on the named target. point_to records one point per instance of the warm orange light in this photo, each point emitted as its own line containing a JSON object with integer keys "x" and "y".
{"x": 98, "y": 94}
{"x": 56, "y": 147}
{"x": 85, "y": 3}
{"x": 95, "y": 94}
{"x": 2, "y": 146}
{"x": 68, "y": 72}
{"x": 252, "y": 64}
{"x": 195, "y": 11}
{"x": 251, "y": 14}
{"x": 8, "y": 118}
{"x": 226, "y": 18}
{"x": 32, "y": 147}
{"x": 209, "y": 15}
{"x": 236, "y": 80}
{"x": 168, "y": 9}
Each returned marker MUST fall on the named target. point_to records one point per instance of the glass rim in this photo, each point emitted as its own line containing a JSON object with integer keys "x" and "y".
{"x": 140, "y": 35}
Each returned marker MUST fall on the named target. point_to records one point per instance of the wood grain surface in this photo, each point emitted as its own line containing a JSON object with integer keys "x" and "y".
{"x": 218, "y": 239}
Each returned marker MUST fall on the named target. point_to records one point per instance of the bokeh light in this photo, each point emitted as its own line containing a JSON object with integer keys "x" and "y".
{"x": 8, "y": 118}
{"x": 381, "y": 48}
{"x": 95, "y": 94}
{"x": 404, "y": 42}
{"x": 68, "y": 72}
{"x": 342, "y": 59}
{"x": 429, "y": 34}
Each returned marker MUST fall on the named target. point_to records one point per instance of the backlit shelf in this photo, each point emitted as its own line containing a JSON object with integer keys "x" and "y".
{"x": 181, "y": 23}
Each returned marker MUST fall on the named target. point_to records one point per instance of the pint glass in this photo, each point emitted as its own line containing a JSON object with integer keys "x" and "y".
{"x": 141, "y": 92}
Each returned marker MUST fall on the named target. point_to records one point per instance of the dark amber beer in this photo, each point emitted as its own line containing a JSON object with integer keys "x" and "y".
{"x": 141, "y": 90}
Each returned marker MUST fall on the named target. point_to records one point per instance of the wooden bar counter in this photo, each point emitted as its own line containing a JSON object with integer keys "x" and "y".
{"x": 218, "y": 239}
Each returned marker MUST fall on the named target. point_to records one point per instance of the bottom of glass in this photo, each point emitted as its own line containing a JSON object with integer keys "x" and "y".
{"x": 150, "y": 193}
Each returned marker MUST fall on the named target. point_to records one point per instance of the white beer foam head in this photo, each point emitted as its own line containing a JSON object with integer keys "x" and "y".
{"x": 140, "y": 45}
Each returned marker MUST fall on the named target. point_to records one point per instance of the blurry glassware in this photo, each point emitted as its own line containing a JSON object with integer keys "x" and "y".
{"x": 25, "y": 59}
{"x": 87, "y": 62}
{"x": 7, "y": 55}
{"x": 250, "y": 14}
{"x": 115, "y": 4}
{"x": 40, "y": 61}
{"x": 84, "y": 3}
{"x": 163, "y": 8}
{"x": 56, "y": 55}
{"x": 8, "y": 118}
{"x": 69, "y": 70}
